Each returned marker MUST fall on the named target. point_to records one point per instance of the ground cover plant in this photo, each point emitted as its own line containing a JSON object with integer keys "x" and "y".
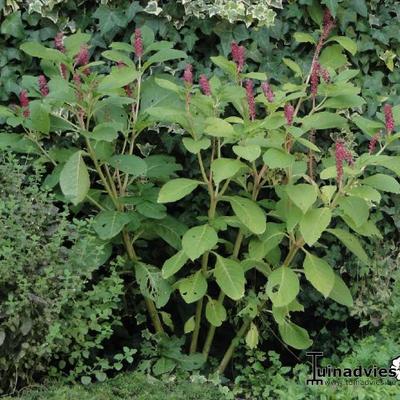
{"x": 218, "y": 193}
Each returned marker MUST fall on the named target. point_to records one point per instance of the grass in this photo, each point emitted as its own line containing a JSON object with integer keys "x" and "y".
{"x": 128, "y": 386}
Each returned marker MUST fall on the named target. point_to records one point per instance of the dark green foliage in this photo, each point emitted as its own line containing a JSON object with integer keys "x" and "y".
{"x": 52, "y": 317}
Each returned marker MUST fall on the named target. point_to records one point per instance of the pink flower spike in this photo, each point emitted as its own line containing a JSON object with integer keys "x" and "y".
{"x": 268, "y": 93}
{"x": 59, "y": 42}
{"x": 314, "y": 79}
{"x": 238, "y": 55}
{"x": 205, "y": 85}
{"x": 289, "y": 112}
{"x": 373, "y": 142}
{"x": 328, "y": 24}
{"x": 250, "y": 99}
{"x": 24, "y": 102}
{"x": 325, "y": 75}
{"x": 63, "y": 71}
{"x": 188, "y": 75}
{"x": 340, "y": 156}
{"x": 389, "y": 120}
{"x": 43, "y": 88}
{"x": 138, "y": 43}
{"x": 82, "y": 58}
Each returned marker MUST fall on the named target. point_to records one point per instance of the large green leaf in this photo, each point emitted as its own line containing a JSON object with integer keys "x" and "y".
{"x": 218, "y": 127}
{"x": 130, "y": 164}
{"x": 313, "y": 223}
{"x": 294, "y": 335}
{"x": 230, "y": 277}
{"x": 151, "y": 283}
{"x": 35, "y": 49}
{"x": 351, "y": 242}
{"x": 225, "y": 168}
{"x": 193, "y": 288}
{"x": 283, "y": 286}
{"x": 348, "y": 44}
{"x": 164, "y": 55}
{"x": 319, "y": 273}
{"x": 39, "y": 117}
{"x": 176, "y": 189}
{"x": 74, "y": 179}
{"x": 248, "y": 152}
{"x": 302, "y": 195}
{"x": 324, "y": 120}
{"x": 383, "y": 182}
{"x": 355, "y": 208}
{"x": 108, "y": 224}
{"x": 259, "y": 247}
{"x": 196, "y": 241}
{"x": 215, "y": 312}
{"x": 249, "y": 213}
{"x": 118, "y": 78}
{"x": 275, "y": 158}
{"x": 341, "y": 293}
{"x": 174, "y": 264}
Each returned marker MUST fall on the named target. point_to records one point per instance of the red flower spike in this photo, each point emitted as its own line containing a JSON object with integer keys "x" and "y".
{"x": 188, "y": 75}
{"x": 238, "y": 55}
{"x": 63, "y": 71}
{"x": 268, "y": 93}
{"x": 328, "y": 24}
{"x": 24, "y": 102}
{"x": 59, "y": 42}
{"x": 138, "y": 43}
{"x": 205, "y": 85}
{"x": 43, "y": 88}
{"x": 325, "y": 75}
{"x": 373, "y": 142}
{"x": 314, "y": 79}
{"x": 250, "y": 99}
{"x": 389, "y": 120}
{"x": 289, "y": 112}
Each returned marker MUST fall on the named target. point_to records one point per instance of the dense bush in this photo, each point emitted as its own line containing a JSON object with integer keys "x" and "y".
{"x": 181, "y": 154}
{"x": 52, "y": 318}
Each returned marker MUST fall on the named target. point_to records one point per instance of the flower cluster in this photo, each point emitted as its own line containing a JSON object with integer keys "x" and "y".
{"x": 373, "y": 142}
{"x": 268, "y": 93}
{"x": 317, "y": 72}
{"x": 59, "y": 42}
{"x": 341, "y": 155}
{"x": 250, "y": 99}
{"x": 138, "y": 43}
{"x": 389, "y": 120}
{"x": 289, "y": 113}
{"x": 204, "y": 85}
{"x": 24, "y": 103}
{"x": 43, "y": 88}
{"x": 188, "y": 75}
{"x": 238, "y": 55}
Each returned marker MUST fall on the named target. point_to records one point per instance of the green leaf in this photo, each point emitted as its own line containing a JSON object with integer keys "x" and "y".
{"x": 324, "y": 120}
{"x": 130, "y": 164}
{"x": 355, "y": 208}
{"x": 252, "y": 337}
{"x": 261, "y": 246}
{"x": 319, "y": 273}
{"x": 260, "y": 76}
{"x": 302, "y": 37}
{"x": 107, "y": 131}
{"x": 193, "y": 288}
{"x": 293, "y": 66}
{"x": 351, "y": 242}
{"x": 174, "y": 264}
{"x": 35, "y": 49}
{"x": 164, "y": 55}
{"x": 368, "y": 126}
{"x": 345, "y": 101}
{"x": 74, "y": 179}
{"x": 294, "y": 335}
{"x": 189, "y": 325}
{"x": 283, "y": 286}
{"x": 196, "y": 241}
{"x": 365, "y": 192}
{"x": 385, "y": 183}
{"x": 229, "y": 275}
{"x": 176, "y": 189}
{"x": 313, "y": 223}
{"x": 348, "y": 44}
{"x": 302, "y": 195}
{"x": 151, "y": 284}
{"x": 163, "y": 365}
{"x": 333, "y": 57}
{"x": 227, "y": 66}
{"x": 118, "y": 56}
{"x": 341, "y": 293}
{"x": 169, "y": 85}
{"x": 118, "y": 78}
{"x": 215, "y": 312}
{"x": 195, "y": 146}
{"x": 12, "y": 25}
{"x": 39, "y": 117}
{"x": 248, "y": 152}
{"x": 170, "y": 230}
{"x": 275, "y": 158}
{"x": 108, "y": 224}
{"x": 224, "y": 168}
{"x": 73, "y": 43}
{"x": 249, "y": 213}
{"x": 218, "y": 127}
